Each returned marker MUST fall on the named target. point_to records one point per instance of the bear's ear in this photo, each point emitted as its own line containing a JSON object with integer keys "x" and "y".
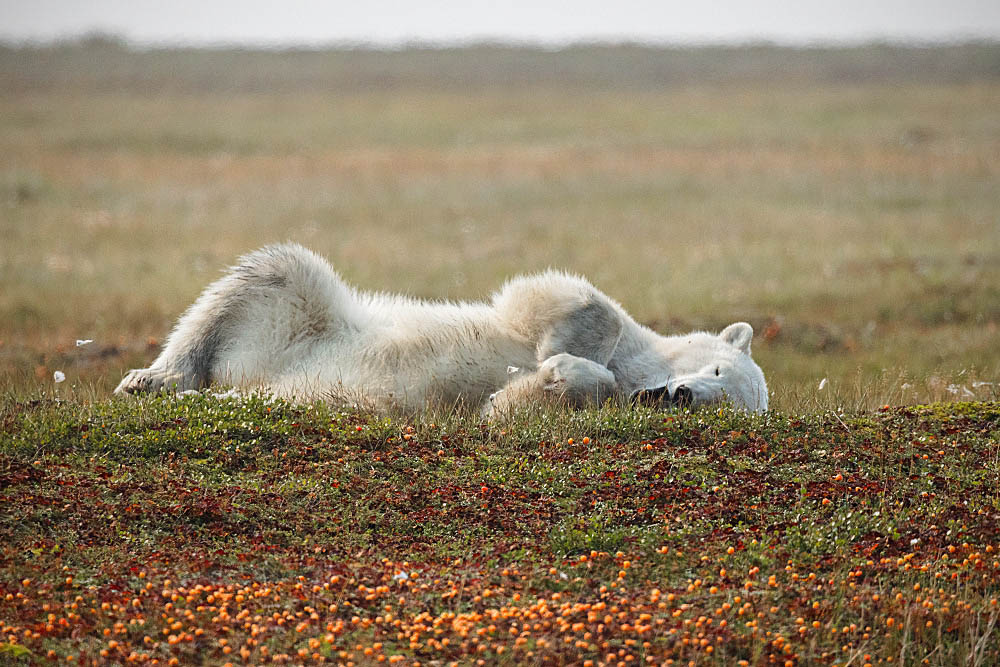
{"x": 739, "y": 336}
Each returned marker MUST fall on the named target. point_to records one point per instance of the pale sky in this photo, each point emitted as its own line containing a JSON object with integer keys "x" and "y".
{"x": 389, "y": 22}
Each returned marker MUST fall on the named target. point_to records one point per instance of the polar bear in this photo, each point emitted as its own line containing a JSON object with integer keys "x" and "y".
{"x": 283, "y": 321}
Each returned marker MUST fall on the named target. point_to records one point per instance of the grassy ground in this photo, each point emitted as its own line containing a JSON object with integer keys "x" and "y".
{"x": 842, "y": 201}
{"x": 200, "y": 530}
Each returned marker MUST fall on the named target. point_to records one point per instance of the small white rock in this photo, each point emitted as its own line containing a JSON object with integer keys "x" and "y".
{"x": 229, "y": 393}
{"x": 59, "y": 376}
{"x": 80, "y": 342}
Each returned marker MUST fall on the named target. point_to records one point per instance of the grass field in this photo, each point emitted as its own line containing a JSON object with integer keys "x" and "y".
{"x": 207, "y": 531}
{"x": 843, "y": 201}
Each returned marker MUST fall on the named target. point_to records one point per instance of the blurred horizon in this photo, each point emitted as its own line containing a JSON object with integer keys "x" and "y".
{"x": 115, "y": 39}
{"x": 387, "y": 24}
{"x": 103, "y": 63}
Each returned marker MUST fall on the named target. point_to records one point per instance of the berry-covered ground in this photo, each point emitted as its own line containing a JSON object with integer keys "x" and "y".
{"x": 200, "y": 530}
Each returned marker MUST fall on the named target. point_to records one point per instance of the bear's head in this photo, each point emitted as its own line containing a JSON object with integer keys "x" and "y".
{"x": 706, "y": 368}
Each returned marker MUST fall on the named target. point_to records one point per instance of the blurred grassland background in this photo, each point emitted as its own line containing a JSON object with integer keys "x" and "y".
{"x": 844, "y": 201}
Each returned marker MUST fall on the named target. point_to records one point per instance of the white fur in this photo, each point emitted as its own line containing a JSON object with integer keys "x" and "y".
{"x": 284, "y": 321}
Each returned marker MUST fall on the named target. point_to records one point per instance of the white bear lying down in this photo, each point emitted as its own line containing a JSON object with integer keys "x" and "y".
{"x": 282, "y": 320}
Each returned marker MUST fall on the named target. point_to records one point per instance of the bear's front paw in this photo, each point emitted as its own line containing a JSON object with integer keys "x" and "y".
{"x": 576, "y": 380}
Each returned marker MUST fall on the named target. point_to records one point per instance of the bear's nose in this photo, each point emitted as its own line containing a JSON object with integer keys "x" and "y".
{"x": 652, "y": 396}
{"x": 683, "y": 396}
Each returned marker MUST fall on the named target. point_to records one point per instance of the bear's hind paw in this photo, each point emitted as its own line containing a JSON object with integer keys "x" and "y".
{"x": 152, "y": 380}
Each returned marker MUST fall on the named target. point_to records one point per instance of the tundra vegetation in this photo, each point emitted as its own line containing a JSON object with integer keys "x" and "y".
{"x": 843, "y": 201}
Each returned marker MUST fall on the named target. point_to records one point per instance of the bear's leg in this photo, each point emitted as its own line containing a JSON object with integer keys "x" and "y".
{"x": 561, "y": 379}
{"x": 187, "y": 359}
{"x": 247, "y": 326}
{"x": 561, "y": 313}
